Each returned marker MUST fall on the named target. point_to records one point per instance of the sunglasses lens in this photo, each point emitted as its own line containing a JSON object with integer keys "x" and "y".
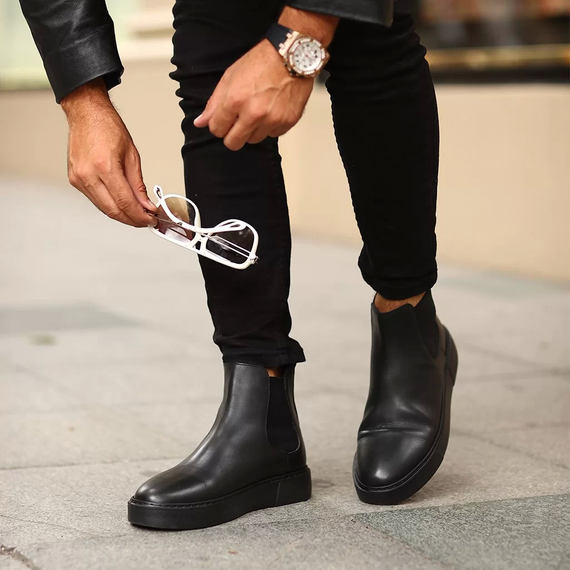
{"x": 184, "y": 212}
{"x": 181, "y": 209}
{"x": 235, "y": 246}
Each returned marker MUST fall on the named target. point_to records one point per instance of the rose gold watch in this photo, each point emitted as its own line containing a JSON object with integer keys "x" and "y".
{"x": 303, "y": 55}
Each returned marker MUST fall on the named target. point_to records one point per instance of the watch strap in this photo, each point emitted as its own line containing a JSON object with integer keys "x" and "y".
{"x": 277, "y": 34}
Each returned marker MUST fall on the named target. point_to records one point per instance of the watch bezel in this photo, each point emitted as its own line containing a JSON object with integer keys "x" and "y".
{"x": 298, "y": 40}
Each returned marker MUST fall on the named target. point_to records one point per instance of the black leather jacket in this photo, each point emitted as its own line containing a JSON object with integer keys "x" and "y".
{"x": 76, "y": 39}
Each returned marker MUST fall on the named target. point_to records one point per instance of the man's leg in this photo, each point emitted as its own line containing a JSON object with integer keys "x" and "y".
{"x": 386, "y": 124}
{"x": 249, "y": 308}
{"x": 253, "y": 457}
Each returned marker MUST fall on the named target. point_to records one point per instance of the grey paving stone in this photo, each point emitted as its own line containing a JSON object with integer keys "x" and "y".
{"x": 53, "y": 504}
{"x": 5, "y": 367}
{"x": 64, "y": 496}
{"x": 495, "y": 284}
{"x": 26, "y": 319}
{"x": 81, "y": 349}
{"x": 130, "y": 272}
{"x": 304, "y": 544}
{"x": 21, "y": 391}
{"x": 156, "y": 381}
{"x": 477, "y": 466}
{"x": 65, "y": 437}
{"x": 91, "y": 500}
{"x": 534, "y": 330}
{"x": 531, "y": 533}
{"x": 478, "y": 364}
{"x": 140, "y": 399}
{"x": 549, "y": 443}
{"x": 8, "y": 562}
{"x": 162, "y": 381}
{"x": 187, "y": 422}
{"x": 19, "y": 530}
{"x": 473, "y": 470}
{"x": 467, "y": 477}
{"x": 512, "y": 403}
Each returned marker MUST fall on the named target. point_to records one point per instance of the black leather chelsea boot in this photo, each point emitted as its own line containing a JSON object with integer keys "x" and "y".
{"x": 252, "y": 458}
{"x": 404, "y": 433}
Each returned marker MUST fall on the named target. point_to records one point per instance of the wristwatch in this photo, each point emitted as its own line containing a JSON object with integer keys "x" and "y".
{"x": 303, "y": 56}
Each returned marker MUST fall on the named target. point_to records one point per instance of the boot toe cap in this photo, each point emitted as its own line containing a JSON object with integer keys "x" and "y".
{"x": 150, "y": 492}
{"x": 385, "y": 457}
{"x": 173, "y": 486}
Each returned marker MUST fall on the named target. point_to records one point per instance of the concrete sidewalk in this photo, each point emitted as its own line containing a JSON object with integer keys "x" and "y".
{"x": 108, "y": 375}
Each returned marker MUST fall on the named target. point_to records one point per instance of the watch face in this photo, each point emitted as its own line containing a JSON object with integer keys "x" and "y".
{"x": 306, "y": 56}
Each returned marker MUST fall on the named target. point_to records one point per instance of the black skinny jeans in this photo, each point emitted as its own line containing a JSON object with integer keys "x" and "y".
{"x": 386, "y": 126}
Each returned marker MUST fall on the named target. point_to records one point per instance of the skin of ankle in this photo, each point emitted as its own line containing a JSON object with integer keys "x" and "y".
{"x": 274, "y": 372}
{"x": 387, "y": 305}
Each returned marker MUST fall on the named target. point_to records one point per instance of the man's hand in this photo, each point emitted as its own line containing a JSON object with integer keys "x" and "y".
{"x": 102, "y": 161}
{"x": 256, "y": 96}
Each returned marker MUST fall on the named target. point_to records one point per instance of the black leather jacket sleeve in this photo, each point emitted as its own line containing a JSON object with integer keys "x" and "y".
{"x": 374, "y": 11}
{"x": 76, "y": 40}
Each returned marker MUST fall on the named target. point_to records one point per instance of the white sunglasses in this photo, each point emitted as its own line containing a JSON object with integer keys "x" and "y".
{"x": 232, "y": 242}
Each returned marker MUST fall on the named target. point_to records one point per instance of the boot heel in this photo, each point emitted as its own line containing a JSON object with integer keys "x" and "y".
{"x": 293, "y": 489}
{"x": 452, "y": 357}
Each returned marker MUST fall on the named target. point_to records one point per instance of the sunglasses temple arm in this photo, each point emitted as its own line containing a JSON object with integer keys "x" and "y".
{"x": 217, "y": 229}
{"x": 197, "y": 229}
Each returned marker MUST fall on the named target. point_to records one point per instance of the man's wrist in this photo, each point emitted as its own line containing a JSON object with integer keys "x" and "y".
{"x": 319, "y": 26}
{"x": 93, "y": 92}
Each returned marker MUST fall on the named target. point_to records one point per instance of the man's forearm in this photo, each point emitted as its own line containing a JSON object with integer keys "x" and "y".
{"x": 319, "y": 26}
{"x": 90, "y": 94}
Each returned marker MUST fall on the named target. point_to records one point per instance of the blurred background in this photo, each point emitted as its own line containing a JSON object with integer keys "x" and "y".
{"x": 501, "y": 68}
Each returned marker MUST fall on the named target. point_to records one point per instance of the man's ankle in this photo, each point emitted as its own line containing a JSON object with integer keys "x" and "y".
{"x": 275, "y": 371}
{"x": 386, "y": 305}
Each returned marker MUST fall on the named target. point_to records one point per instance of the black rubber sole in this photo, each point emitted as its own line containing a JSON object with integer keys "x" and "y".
{"x": 414, "y": 481}
{"x": 275, "y": 492}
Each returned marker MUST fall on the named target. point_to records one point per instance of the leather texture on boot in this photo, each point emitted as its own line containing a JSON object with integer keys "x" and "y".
{"x": 404, "y": 432}
{"x": 244, "y": 448}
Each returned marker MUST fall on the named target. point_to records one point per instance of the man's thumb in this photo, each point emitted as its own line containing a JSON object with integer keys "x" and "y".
{"x": 133, "y": 174}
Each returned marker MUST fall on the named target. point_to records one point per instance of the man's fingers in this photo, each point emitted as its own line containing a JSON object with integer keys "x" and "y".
{"x": 93, "y": 188}
{"x": 98, "y": 194}
{"x": 215, "y": 99}
{"x": 124, "y": 197}
{"x": 253, "y": 124}
{"x": 202, "y": 120}
{"x": 133, "y": 174}
{"x": 222, "y": 120}
{"x": 258, "y": 135}
{"x": 239, "y": 134}
{"x": 219, "y": 117}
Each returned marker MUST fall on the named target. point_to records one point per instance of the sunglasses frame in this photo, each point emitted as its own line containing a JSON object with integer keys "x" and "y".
{"x": 202, "y": 235}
